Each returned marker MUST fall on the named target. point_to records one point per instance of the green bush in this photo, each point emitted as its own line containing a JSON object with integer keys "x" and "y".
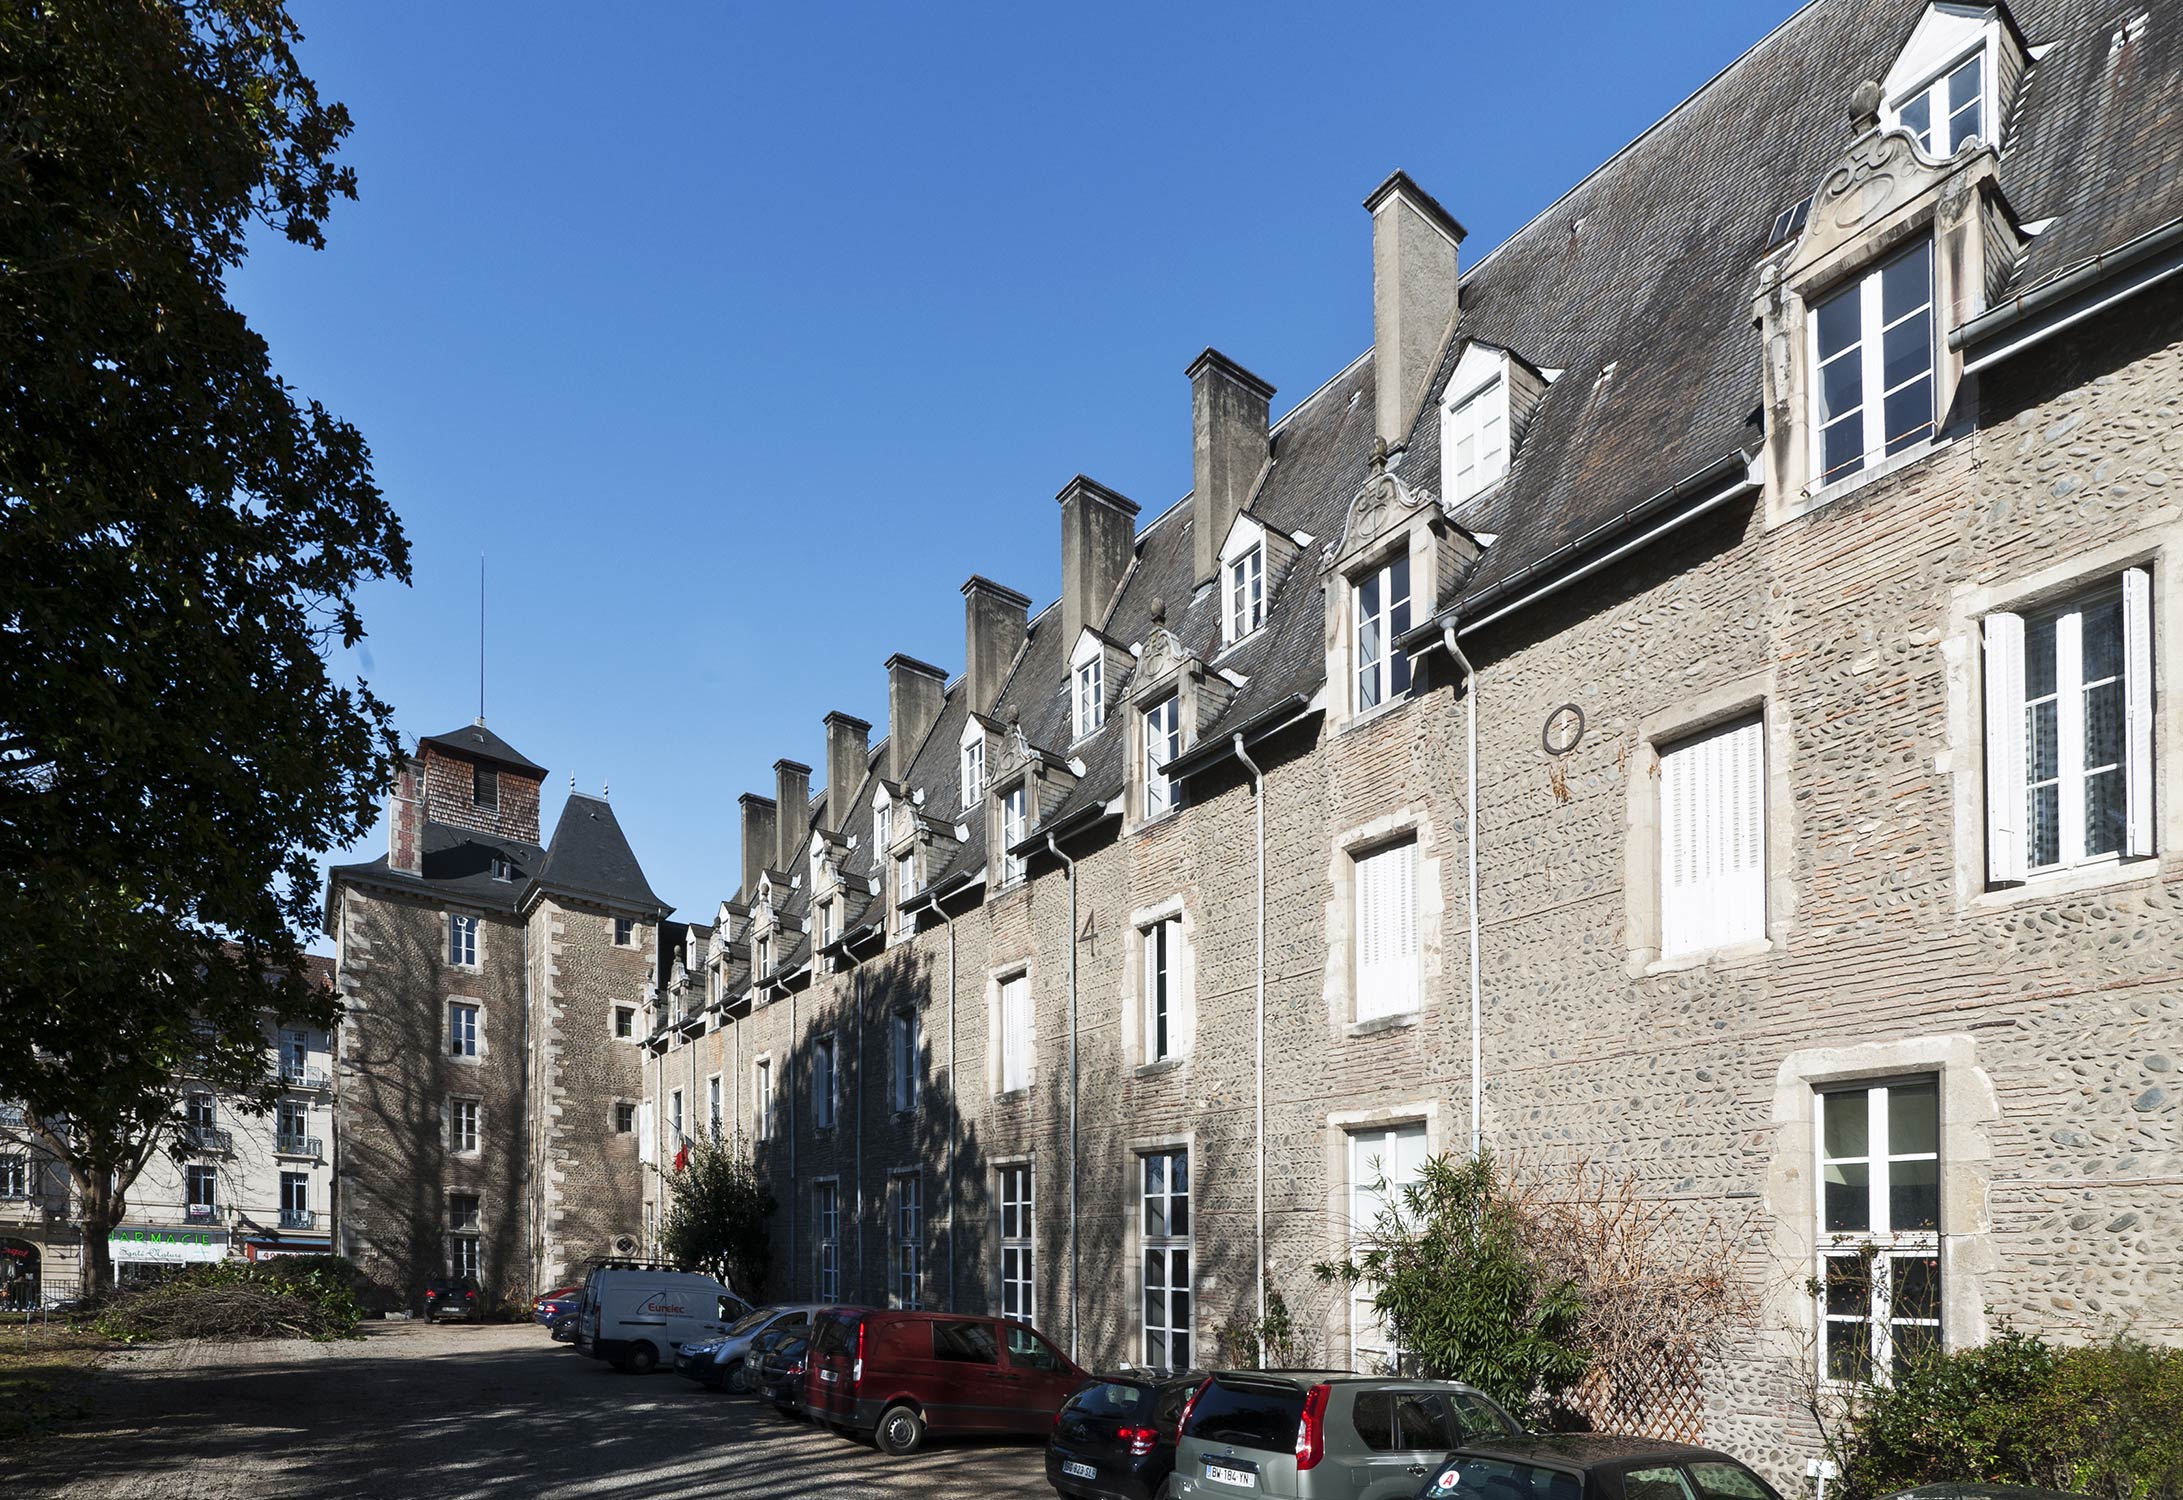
{"x": 303, "y": 1296}
{"x": 2104, "y": 1420}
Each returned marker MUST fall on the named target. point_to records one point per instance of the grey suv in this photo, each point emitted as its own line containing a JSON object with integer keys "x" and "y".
{"x": 1313, "y": 1434}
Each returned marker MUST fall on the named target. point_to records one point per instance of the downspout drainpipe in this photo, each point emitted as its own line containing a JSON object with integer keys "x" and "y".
{"x": 1070, "y": 865}
{"x": 1258, "y": 800}
{"x": 856, "y": 996}
{"x": 952, "y": 1120}
{"x": 1470, "y": 840}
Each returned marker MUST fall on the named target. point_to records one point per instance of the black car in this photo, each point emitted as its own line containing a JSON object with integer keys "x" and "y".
{"x": 1115, "y": 1438}
{"x": 780, "y": 1377}
{"x": 453, "y": 1297}
{"x": 1590, "y": 1466}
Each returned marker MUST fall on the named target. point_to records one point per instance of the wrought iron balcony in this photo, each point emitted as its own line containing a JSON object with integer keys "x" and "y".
{"x": 302, "y": 1076}
{"x": 296, "y": 1145}
{"x": 207, "y": 1138}
{"x": 298, "y": 1218}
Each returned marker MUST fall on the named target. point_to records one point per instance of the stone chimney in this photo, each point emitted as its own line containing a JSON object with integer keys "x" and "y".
{"x": 1414, "y": 242}
{"x": 848, "y": 754}
{"x": 915, "y": 692}
{"x": 758, "y": 826}
{"x": 1098, "y": 540}
{"x": 792, "y": 812}
{"x": 405, "y": 819}
{"x": 994, "y": 624}
{"x": 1229, "y": 424}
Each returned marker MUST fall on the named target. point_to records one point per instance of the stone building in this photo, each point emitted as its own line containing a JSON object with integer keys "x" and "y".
{"x": 1691, "y": 697}
{"x": 486, "y": 1107}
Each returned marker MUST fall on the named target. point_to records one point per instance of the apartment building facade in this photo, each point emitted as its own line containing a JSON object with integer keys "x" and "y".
{"x": 1691, "y": 698}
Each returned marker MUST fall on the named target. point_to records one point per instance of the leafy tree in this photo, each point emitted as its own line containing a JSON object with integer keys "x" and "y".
{"x": 1459, "y": 1293}
{"x": 180, "y": 542}
{"x": 717, "y": 1208}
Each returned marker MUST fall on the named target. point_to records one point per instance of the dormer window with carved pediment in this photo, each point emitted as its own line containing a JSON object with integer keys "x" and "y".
{"x": 1399, "y": 560}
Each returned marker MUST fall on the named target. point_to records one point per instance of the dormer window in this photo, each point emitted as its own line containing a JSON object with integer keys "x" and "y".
{"x": 502, "y": 869}
{"x": 829, "y": 923}
{"x": 1872, "y": 349}
{"x": 1091, "y": 697}
{"x": 1012, "y": 829}
{"x": 1163, "y": 742}
{"x": 1246, "y": 594}
{"x": 973, "y": 770}
{"x": 1383, "y": 616}
{"x": 882, "y": 826}
{"x": 1951, "y": 81}
{"x": 1949, "y": 110}
{"x": 905, "y": 877}
{"x": 1474, "y": 439}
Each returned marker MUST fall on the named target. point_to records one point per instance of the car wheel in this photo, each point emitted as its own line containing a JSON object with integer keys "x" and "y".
{"x": 739, "y": 1377}
{"x": 901, "y": 1431}
{"x": 643, "y": 1358}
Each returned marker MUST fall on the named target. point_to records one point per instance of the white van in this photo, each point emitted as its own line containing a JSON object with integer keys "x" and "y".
{"x": 635, "y": 1317}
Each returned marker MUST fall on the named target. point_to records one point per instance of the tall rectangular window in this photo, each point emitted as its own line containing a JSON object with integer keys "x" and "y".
{"x": 464, "y": 1223}
{"x": 907, "y": 1044}
{"x": 15, "y": 1175}
{"x": 1872, "y": 361}
{"x": 1382, "y": 1162}
{"x": 1948, "y": 111}
{"x": 2069, "y": 731}
{"x": 973, "y": 771}
{"x": 1163, "y": 949}
{"x": 906, "y": 1243}
{"x": 762, "y": 1099}
{"x": 1476, "y": 436}
{"x": 1386, "y": 937}
{"x": 1166, "y": 1231}
{"x": 462, "y": 1126}
{"x": 625, "y": 1020}
{"x": 1879, "y": 1221}
{"x": 822, "y": 1083}
{"x": 674, "y": 1118}
{"x": 203, "y": 1202}
{"x": 1019, "y": 1252}
{"x": 712, "y": 1106}
{"x": 290, "y": 1126}
{"x": 1091, "y": 696}
{"x": 1382, "y": 616}
{"x": 1012, "y": 833}
{"x": 484, "y": 786}
{"x": 1016, "y": 1033}
{"x": 625, "y": 933}
{"x": 826, "y": 1238}
{"x": 1246, "y": 594}
{"x": 295, "y": 1200}
{"x": 462, "y": 1029}
{"x": 201, "y": 1112}
{"x": 1163, "y": 742}
{"x": 829, "y": 923}
{"x": 462, "y": 941}
{"x": 1713, "y": 839}
{"x": 905, "y": 877}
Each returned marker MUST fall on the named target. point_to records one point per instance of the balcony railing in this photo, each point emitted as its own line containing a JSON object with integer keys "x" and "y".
{"x": 296, "y": 1145}
{"x": 302, "y": 1076}
{"x": 202, "y": 1213}
{"x": 207, "y": 1138}
{"x": 298, "y": 1218}
{"x": 11, "y": 1115}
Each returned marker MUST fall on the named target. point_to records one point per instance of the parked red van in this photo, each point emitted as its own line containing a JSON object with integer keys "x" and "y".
{"x": 896, "y": 1377}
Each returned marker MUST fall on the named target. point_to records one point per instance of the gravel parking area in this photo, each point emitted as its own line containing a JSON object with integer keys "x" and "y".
{"x": 458, "y": 1411}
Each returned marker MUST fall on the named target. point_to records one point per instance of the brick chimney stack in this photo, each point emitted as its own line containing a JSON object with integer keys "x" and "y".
{"x": 1098, "y": 543}
{"x": 792, "y": 812}
{"x": 848, "y": 755}
{"x": 915, "y": 692}
{"x": 1230, "y": 419}
{"x": 1414, "y": 301}
{"x": 405, "y": 819}
{"x": 758, "y": 826}
{"x": 994, "y": 624}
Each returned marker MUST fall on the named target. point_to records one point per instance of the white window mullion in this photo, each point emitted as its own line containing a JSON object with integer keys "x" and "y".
{"x": 2069, "y": 731}
{"x": 2137, "y": 687}
{"x": 2008, "y": 801}
{"x": 1871, "y": 341}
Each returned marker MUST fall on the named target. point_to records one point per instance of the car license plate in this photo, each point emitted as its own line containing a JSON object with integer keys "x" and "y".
{"x": 827, "y": 1376}
{"x": 1080, "y": 1471}
{"x": 1222, "y": 1474}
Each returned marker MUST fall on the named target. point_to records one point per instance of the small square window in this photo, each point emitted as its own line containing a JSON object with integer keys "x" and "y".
{"x": 625, "y": 932}
{"x": 625, "y": 1020}
{"x": 625, "y": 1117}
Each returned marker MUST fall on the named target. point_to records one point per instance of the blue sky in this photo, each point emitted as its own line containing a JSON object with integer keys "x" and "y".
{"x": 737, "y": 336}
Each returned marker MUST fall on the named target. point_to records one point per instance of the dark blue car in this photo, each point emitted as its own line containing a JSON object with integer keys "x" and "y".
{"x": 1115, "y": 1438}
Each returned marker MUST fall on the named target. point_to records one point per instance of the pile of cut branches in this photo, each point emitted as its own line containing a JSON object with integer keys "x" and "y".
{"x": 231, "y": 1300}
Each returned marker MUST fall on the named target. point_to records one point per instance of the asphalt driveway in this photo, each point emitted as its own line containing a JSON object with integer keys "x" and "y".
{"x": 414, "y": 1411}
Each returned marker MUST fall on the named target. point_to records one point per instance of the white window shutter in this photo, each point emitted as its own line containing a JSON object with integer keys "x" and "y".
{"x": 2006, "y": 797}
{"x": 2137, "y": 689}
{"x": 1386, "y": 909}
{"x": 1713, "y": 840}
{"x": 1743, "y": 875}
{"x": 1679, "y": 900}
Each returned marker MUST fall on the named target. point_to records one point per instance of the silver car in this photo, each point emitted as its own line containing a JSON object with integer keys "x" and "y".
{"x": 1316, "y": 1435}
{"x": 730, "y": 1368}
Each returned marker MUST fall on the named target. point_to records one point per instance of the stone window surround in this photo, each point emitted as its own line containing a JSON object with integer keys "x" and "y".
{"x": 993, "y": 1165}
{"x": 895, "y": 1107}
{"x": 1641, "y": 852}
{"x": 1134, "y": 1150}
{"x": 1412, "y": 819}
{"x": 1969, "y": 1110}
{"x": 1182, "y": 1013}
{"x": 614, "y": 1107}
{"x": 447, "y": 1031}
{"x": 995, "y": 977}
{"x": 1340, "y": 1125}
{"x": 832, "y": 1179}
{"x": 766, "y": 1126}
{"x": 827, "y": 1124}
{"x": 1413, "y": 535}
{"x": 997, "y": 792}
{"x": 1963, "y": 761}
{"x": 447, "y": 1126}
{"x": 447, "y": 927}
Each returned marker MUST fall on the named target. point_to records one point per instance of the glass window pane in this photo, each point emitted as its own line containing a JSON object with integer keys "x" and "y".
{"x": 1849, "y": 1351}
{"x": 2106, "y": 813}
{"x": 1725, "y": 1481}
{"x": 1665, "y": 1483}
{"x": 1843, "y": 448}
{"x": 1917, "y": 1286}
{"x": 1849, "y": 1287}
{"x": 2039, "y": 657}
{"x": 1909, "y": 414}
{"x": 2046, "y": 826}
{"x": 1965, "y": 100}
{"x": 1837, "y": 317}
{"x": 2103, "y": 725}
{"x": 1917, "y": 118}
{"x": 2103, "y": 641}
{"x": 1179, "y": 1172}
{"x": 1849, "y": 1202}
{"x": 1913, "y": 1118}
{"x": 1906, "y": 351}
{"x": 1841, "y": 387}
{"x": 1913, "y": 1195}
{"x": 1906, "y": 283}
{"x": 1848, "y": 1133}
{"x": 2044, "y": 743}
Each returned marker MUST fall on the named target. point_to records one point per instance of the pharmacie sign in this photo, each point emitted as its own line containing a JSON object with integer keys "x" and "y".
{"x": 166, "y": 1247}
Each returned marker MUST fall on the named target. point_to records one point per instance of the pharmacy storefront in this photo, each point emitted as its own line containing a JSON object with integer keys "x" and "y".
{"x": 141, "y": 1250}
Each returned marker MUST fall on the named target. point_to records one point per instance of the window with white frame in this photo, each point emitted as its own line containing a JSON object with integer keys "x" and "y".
{"x": 203, "y": 1189}
{"x": 761, "y": 1094}
{"x": 1879, "y": 1222}
{"x": 625, "y": 1117}
{"x": 1949, "y": 109}
{"x": 462, "y": 1029}
{"x": 15, "y": 1175}
{"x": 464, "y": 1223}
{"x": 826, "y": 1238}
{"x": 906, "y": 1043}
{"x": 829, "y": 923}
{"x": 674, "y": 1118}
{"x": 973, "y": 771}
{"x": 462, "y": 1126}
{"x": 1019, "y": 1253}
{"x": 1167, "y": 1245}
{"x": 201, "y": 1111}
{"x": 1712, "y": 789}
{"x": 295, "y": 1200}
{"x": 291, "y": 1126}
{"x": 905, "y": 877}
{"x": 625, "y": 932}
{"x": 761, "y": 960}
{"x": 1872, "y": 365}
{"x": 625, "y": 1021}
{"x": 462, "y": 941}
{"x": 1163, "y": 956}
{"x": 1474, "y": 439}
{"x": 2069, "y": 731}
{"x": 1386, "y": 936}
{"x": 712, "y": 1106}
{"x": 822, "y": 1082}
{"x": 1383, "y": 1160}
{"x": 1163, "y": 742}
{"x": 1246, "y": 594}
{"x": 1091, "y": 696}
{"x": 882, "y": 826}
{"x": 1012, "y": 807}
{"x": 1382, "y": 614}
{"x": 1016, "y": 1033}
{"x": 503, "y": 869}
{"x": 905, "y": 1242}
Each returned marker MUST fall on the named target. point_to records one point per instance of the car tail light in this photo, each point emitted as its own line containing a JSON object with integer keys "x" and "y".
{"x": 856, "y": 1371}
{"x": 473, "y": 1296}
{"x": 1183, "y": 1425}
{"x": 1140, "y": 1439}
{"x": 1311, "y": 1428}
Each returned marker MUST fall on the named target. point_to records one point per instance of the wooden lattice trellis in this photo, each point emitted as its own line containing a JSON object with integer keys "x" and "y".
{"x": 1659, "y": 1393}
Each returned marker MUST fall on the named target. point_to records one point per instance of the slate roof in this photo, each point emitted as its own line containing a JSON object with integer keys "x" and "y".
{"x": 590, "y": 856}
{"x": 457, "y": 865}
{"x": 480, "y": 743}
